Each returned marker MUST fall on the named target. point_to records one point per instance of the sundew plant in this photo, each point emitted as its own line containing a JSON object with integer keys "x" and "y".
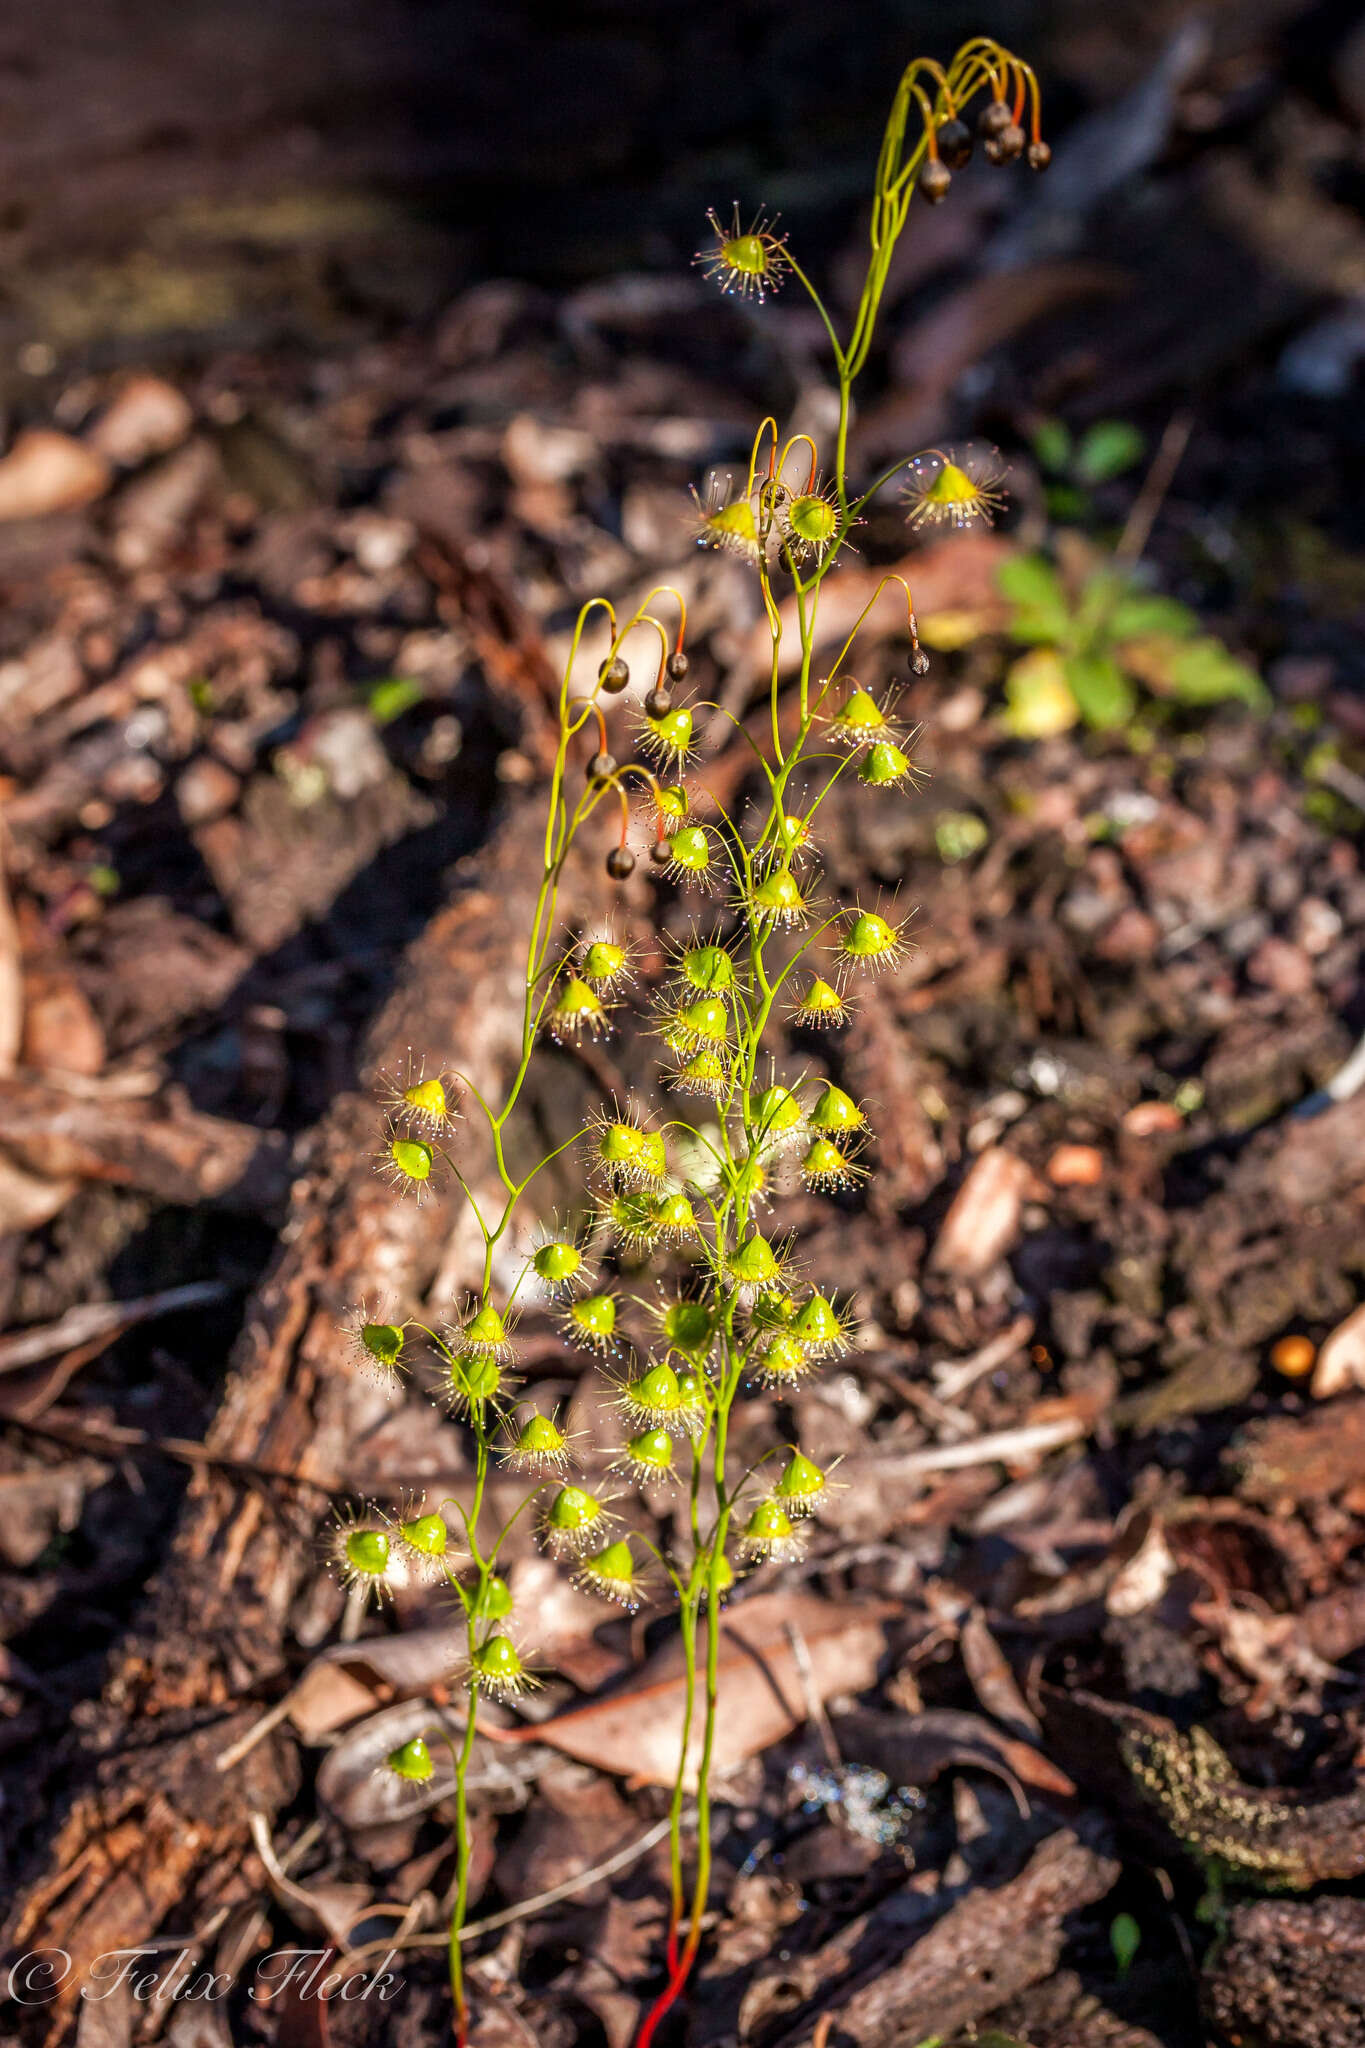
{"x": 682, "y": 1180}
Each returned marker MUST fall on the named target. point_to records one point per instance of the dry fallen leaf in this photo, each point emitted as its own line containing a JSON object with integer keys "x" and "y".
{"x": 49, "y": 472}
{"x": 983, "y": 1221}
{"x": 349, "y": 1679}
{"x": 61, "y": 1029}
{"x": 147, "y": 417}
{"x": 763, "y": 1695}
{"x": 914, "y": 1749}
{"x": 1341, "y": 1361}
{"x": 353, "y": 1783}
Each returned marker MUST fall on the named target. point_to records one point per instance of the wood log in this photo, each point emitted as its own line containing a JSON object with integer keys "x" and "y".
{"x": 150, "y": 1817}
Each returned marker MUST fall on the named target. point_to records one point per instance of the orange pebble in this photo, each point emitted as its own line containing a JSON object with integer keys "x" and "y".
{"x": 1294, "y": 1357}
{"x": 1076, "y": 1166}
{"x": 1145, "y": 1119}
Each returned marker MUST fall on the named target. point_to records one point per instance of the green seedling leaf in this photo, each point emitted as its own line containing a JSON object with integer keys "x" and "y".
{"x": 959, "y": 834}
{"x": 1032, "y": 586}
{"x": 1203, "y": 672}
{"x": 1139, "y": 614}
{"x": 1107, "y": 449}
{"x": 1039, "y": 701}
{"x": 1103, "y": 692}
{"x": 1052, "y": 444}
{"x": 1125, "y": 1939}
{"x": 391, "y": 698}
{"x": 1066, "y": 502}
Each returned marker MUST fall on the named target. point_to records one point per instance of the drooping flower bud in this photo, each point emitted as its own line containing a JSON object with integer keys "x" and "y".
{"x": 884, "y": 766}
{"x": 496, "y": 1669}
{"x": 776, "y": 1115}
{"x": 426, "y": 1534}
{"x": 574, "y": 1522}
{"x": 577, "y": 1008}
{"x": 708, "y": 968}
{"x": 703, "y": 1021}
{"x": 377, "y": 1346}
{"x": 779, "y": 900}
{"x": 836, "y": 1113}
{"x": 365, "y": 1557}
{"x": 558, "y": 1264}
{"x": 955, "y": 490}
{"x": 418, "y": 1100}
{"x": 690, "y": 853}
{"x": 859, "y": 720}
{"x": 612, "y": 1574}
{"x": 701, "y": 1073}
{"x": 818, "y": 1325}
{"x": 472, "y": 1381}
{"x": 591, "y": 1321}
{"x": 629, "y": 1216}
{"x": 755, "y": 1264}
{"x": 604, "y": 962}
{"x": 668, "y": 736}
{"x": 629, "y": 1152}
{"x": 825, "y": 1166}
{"x": 822, "y": 1006}
{"x": 653, "y": 1399}
{"x": 493, "y": 1602}
{"x": 870, "y": 941}
{"x": 772, "y": 1311}
{"x": 674, "y": 1219}
{"x": 688, "y": 1328}
{"x": 801, "y": 1485}
{"x": 485, "y": 1330}
{"x": 407, "y": 1164}
{"x": 811, "y": 522}
{"x": 750, "y": 262}
{"x": 411, "y": 1760}
{"x": 769, "y": 1536}
{"x": 536, "y": 1443}
{"x": 648, "y": 1457}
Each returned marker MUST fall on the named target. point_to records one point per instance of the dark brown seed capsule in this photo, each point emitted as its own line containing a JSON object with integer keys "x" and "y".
{"x": 993, "y": 119}
{"x": 992, "y": 151}
{"x": 919, "y": 662}
{"x": 677, "y": 666}
{"x": 955, "y": 143}
{"x": 658, "y": 703}
{"x": 661, "y": 853}
{"x": 601, "y": 767}
{"x": 620, "y": 863}
{"x": 613, "y": 676}
{"x": 1010, "y": 142}
{"x": 934, "y": 180}
{"x": 1039, "y": 155}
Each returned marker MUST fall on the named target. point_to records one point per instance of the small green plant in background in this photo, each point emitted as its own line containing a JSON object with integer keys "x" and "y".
{"x": 1072, "y": 468}
{"x": 1125, "y": 1939}
{"x": 681, "y": 1178}
{"x": 1099, "y": 644}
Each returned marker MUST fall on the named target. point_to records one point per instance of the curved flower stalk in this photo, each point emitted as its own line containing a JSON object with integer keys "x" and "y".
{"x": 685, "y": 1179}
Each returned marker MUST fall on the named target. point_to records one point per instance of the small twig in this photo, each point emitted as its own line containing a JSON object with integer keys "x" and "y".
{"x": 1349, "y": 1078}
{"x": 815, "y": 1706}
{"x": 227, "y": 1759}
{"x": 95, "y": 1319}
{"x": 1343, "y": 780}
{"x": 525, "y": 1909}
{"x": 1138, "y": 530}
{"x": 952, "y": 1381}
{"x": 1001, "y": 1448}
{"x": 106, "y": 1438}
